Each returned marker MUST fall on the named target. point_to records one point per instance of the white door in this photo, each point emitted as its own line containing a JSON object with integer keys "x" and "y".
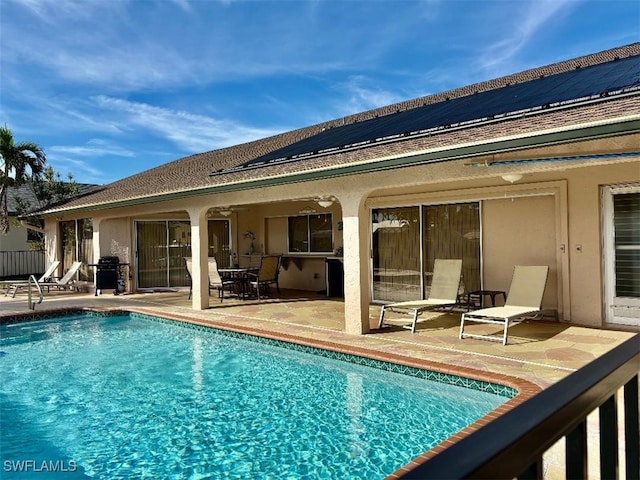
{"x": 621, "y": 229}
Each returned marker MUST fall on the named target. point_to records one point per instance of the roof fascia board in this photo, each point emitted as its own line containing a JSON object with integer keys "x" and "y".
{"x": 456, "y": 153}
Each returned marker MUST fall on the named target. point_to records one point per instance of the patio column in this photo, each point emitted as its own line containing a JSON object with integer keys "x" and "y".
{"x": 199, "y": 247}
{"x": 96, "y": 244}
{"x": 355, "y": 228}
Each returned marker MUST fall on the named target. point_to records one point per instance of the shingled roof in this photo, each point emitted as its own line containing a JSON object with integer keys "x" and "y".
{"x": 25, "y": 193}
{"x": 193, "y": 174}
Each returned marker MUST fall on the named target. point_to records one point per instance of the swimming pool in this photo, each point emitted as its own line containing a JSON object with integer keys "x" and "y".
{"x": 132, "y": 396}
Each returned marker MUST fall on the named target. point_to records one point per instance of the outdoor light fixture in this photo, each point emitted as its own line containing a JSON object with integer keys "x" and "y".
{"x": 512, "y": 177}
{"x": 226, "y": 212}
{"x": 325, "y": 202}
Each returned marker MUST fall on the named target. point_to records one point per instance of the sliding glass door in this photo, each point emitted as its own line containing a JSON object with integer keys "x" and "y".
{"x": 219, "y": 246}
{"x": 453, "y": 231}
{"x": 396, "y": 253}
{"x": 77, "y": 245}
{"x": 407, "y": 240}
{"x": 155, "y": 256}
{"x": 162, "y": 245}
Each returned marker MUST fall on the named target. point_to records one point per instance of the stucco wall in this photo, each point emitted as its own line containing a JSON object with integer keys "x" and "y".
{"x": 116, "y": 240}
{"x": 519, "y": 231}
{"x": 585, "y": 237}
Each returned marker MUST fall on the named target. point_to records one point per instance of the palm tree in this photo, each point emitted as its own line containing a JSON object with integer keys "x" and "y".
{"x": 16, "y": 161}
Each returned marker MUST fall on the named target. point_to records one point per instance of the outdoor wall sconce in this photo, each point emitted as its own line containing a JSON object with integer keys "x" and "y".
{"x": 512, "y": 177}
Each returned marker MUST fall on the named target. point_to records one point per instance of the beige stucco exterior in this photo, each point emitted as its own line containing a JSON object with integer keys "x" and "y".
{"x": 551, "y": 216}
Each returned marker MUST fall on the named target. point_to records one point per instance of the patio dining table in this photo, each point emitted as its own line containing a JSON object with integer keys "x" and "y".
{"x": 239, "y": 277}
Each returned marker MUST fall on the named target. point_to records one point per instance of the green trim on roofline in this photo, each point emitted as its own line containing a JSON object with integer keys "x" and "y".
{"x": 457, "y": 153}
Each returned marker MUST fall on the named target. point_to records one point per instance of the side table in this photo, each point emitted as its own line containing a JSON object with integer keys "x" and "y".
{"x": 480, "y": 294}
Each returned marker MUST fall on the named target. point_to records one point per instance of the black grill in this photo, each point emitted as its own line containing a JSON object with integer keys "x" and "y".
{"x": 107, "y": 274}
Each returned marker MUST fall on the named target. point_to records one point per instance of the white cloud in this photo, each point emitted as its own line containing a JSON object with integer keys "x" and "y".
{"x": 50, "y": 10}
{"x": 192, "y": 133}
{"x": 361, "y": 97}
{"x": 525, "y": 27}
{"x": 85, "y": 161}
{"x": 93, "y": 148}
{"x": 131, "y": 46}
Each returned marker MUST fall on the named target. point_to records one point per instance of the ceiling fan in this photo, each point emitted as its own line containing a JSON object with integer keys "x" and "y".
{"x": 226, "y": 210}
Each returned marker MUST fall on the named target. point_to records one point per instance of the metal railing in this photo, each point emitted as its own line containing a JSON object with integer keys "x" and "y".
{"x": 512, "y": 445}
{"x": 20, "y": 263}
{"x": 32, "y": 304}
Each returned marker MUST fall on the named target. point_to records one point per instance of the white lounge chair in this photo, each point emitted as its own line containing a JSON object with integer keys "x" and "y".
{"x": 444, "y": 293}
{"x": 47, "y": 276}
{"x": 67, "y": 281}
{"x": 524, "y": 302}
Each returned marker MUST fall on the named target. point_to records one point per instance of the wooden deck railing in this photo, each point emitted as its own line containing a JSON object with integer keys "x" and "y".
{"x": 512, "y": 446}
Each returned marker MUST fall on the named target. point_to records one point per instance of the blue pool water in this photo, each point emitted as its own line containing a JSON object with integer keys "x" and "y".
{"x": 133, "y": 397}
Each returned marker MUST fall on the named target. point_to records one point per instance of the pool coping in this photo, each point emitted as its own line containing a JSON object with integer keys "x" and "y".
{"x": 524, "y": 388}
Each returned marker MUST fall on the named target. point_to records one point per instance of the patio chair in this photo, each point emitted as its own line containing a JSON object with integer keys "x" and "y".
{"x": 215, "y": 280}
{"x": 67, "y": 281}
{"x": 47, "y": 276}
{"x": 524, "y": 302}
{"x": 443, "y": 293}
{"x": 267, "y": 274}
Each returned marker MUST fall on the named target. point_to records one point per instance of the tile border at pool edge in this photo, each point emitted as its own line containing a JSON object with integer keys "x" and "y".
{"x": 525, "y": 388}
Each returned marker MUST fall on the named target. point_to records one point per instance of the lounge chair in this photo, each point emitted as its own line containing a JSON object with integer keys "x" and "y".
{"x": 215, "y": 280}
{"x": 444, "y": 293}
{"x": 267, "y": 274}
{"x": 524, "y": 302}
{"x": 47, "y": 276}
{"x": 67, "y": 281}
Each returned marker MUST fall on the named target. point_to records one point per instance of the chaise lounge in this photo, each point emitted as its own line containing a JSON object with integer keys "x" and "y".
{"x": 443, "y": 293}
{"x": 524, "y": 302}
{"x": 47, "y": 276}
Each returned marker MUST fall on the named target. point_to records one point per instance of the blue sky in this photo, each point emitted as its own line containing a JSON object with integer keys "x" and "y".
{"x": 110, "y": 88}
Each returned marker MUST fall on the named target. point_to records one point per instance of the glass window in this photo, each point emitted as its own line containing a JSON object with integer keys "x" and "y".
{"x": 626, "y": 216}
{"x": 311, "y": 233}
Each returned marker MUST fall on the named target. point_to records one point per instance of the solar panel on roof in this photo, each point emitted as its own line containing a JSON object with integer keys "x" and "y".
{"x": 581, "y": 83}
